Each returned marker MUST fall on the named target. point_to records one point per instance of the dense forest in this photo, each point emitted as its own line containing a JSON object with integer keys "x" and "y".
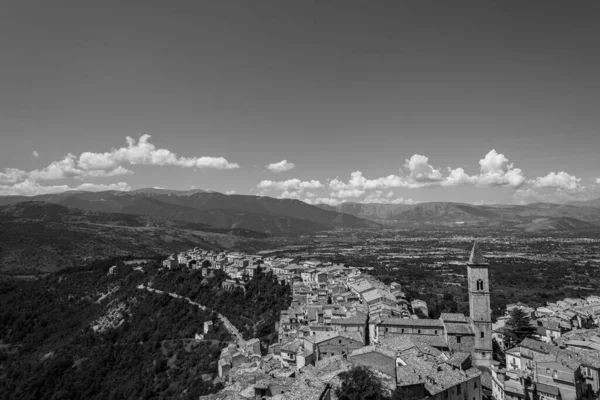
{"x": 253, "y": 310}
{"x": 86, "y": 334}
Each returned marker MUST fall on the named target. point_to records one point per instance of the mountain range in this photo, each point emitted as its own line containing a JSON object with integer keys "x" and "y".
{"x": 244, "y": 214}
{"x": 241, "y": 212}
{"x": 528, "y": 218}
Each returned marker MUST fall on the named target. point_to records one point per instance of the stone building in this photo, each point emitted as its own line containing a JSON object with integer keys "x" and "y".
{"x": 479, "y": 307}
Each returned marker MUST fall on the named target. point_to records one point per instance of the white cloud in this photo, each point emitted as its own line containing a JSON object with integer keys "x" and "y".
{"x": 36, "y": 154}
{"x": 145, "y": 153}
{"x": 358, "y": 181}
{"x": 496, "y": 171}
{"x": 70, "y": 168}
{"x": 12, "y": 175}
{"x": 230, "y": 192}
{"x": 110, "y": 164}
{"x": 420, "y": 170}
{"x": 31, "y": 187}
{"x": 324, "y": 200}
{"x": 598, "y": 180}
{"x": 290, "y": 185}
{"x": 281, "y": 166}
{"x": 388, "y": 198}
{"x": 560, "y": 180}
{"x": 457, "y": 177}
{"x": 347, "y": 193}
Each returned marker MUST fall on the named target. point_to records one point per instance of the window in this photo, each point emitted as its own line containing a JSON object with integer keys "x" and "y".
{"x": 458, "y": 339}
{"x": 482, "y": 335}
{"x": 436, "y": 331}
{"x": 419, "y": 331}
{"x": 458, "y": 389}
{"x": 475, "y": 385}
{"x": 340, "y": 341}
{"x": 479, "y": 284}
{"x": 547, "y": 370}
{"x": 402, "y": 330}
{"x": 555, "y": 373}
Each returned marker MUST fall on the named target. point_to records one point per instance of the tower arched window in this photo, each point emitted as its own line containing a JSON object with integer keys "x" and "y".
{"x": 479, "y": 284}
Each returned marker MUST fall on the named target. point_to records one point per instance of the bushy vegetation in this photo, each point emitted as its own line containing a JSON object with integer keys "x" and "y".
{"x": 50, "y": 351}
{"x": 253, "y": 311}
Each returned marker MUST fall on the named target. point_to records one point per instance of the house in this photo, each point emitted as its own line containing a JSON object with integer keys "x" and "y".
{"x": 208, "y": 326}
{"x": 419, "y": 378}
{"x": 379, "y": 296}
{"x": 328, "y": 344}
{"x": 294, "y": 354}
{"x": 420, "y": 306}
{"x": 356, "y": 323}
{"x": 407, "y": 326}
{"x": 271, "y": 387}
{"x": 458, "y": 332}
{"x": 557, "y": 370}
{"x": 377, "y": 358}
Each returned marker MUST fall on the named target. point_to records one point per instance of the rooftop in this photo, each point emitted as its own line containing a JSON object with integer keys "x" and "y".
{"x": 410, "y": 322}
{"x": 453, "y": 317}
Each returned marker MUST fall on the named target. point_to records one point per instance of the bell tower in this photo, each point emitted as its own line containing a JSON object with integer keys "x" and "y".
{"x": 479, "y": 306}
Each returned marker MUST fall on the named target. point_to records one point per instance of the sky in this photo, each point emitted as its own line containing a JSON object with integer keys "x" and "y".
{"x": 322, "y": 101}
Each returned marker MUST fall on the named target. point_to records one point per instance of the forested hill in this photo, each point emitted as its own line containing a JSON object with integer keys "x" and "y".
{"x": 86, "y": 334}
{"x": 253, "y": 311}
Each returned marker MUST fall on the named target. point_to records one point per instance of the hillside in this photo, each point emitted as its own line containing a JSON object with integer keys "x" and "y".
{"x": 261, "y": 214}
{"x": 90, "y": 335}
{"x": 43, "y": 237}
{"x": 374, "y": 211}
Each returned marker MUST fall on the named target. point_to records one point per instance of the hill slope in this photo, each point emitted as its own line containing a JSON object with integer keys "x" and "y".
{"x": 261, "y": 214}
{"x": 43, "y": 237}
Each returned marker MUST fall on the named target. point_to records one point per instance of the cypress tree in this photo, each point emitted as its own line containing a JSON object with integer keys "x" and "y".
{"x": 519, "y": 326}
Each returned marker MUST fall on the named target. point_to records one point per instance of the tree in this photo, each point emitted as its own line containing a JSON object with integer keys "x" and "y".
{"x": 359, "y": 383}
{"x": 519, "y": 326}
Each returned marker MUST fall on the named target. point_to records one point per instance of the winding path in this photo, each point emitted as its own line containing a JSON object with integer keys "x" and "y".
{"x": 239, "y": 339}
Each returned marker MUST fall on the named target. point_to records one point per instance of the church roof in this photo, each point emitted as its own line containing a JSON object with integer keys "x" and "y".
{"x": 476, "y": 257}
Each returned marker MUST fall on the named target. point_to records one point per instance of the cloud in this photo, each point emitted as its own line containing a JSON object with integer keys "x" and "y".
{"x": 230, "y": 192}
{"x": 36, "y": 154}
{"x": 280, "y": 166}
{"x": 386, "y": 198}
{"x": 70, "y": 168}
{"x": 560, "y": 180}
{"x": 31, "y": 187}
{"x": 143, "y": 152}
{"x": 12, "y": 175}
{"x": 598, "y": 180}
{"x": 290, "y": 185}
{"x": 110, "y": 164}
{"x": 358, "y": 181}
{"x": 420, "y": 169}
{"x": 496, "y": 171}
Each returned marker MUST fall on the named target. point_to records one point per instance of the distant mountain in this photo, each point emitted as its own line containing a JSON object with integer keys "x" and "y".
{"x": 254, "y": 213}
{"x": 558, "y": 224}
{"x": 590, "y": 203}
{"x": 529, "y": 218}
{"x": 373, "y": 211}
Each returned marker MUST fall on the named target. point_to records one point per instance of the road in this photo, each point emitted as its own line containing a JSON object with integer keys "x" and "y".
{"x": 239, "y": 339}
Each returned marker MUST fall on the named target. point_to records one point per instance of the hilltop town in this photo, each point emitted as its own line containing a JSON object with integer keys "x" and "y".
{"x": 342, "y": 317}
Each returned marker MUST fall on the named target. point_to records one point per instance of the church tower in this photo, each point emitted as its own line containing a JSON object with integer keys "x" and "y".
{"x": 479, "y": 307}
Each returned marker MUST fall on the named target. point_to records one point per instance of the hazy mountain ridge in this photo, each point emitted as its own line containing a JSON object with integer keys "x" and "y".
{"x": 529, "y": 218}
{"x": 254, "y": 213}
